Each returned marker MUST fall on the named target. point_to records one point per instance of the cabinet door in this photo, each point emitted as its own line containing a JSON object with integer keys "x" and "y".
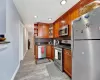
{"x": 76, "y": 13}
{"x": 34, "y": 49}
{"x": 51, "y": 32}
{"x": 43, "y": 31}
{"x": 48, "y": 52}
{"x": 85, "y": 2}
{"x": 72, "y": 16}
{"x": 36, "y": 52}
{"x": 69, "y": 18}
{"x": 40, "y": 31}
{"x": 68, "y": 62}
{"x": 52, "y": 53}
{"x": 56, "y": 29}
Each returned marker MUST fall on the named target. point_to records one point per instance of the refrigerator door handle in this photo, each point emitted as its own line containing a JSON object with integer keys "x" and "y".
{"x": 72, "y": 40}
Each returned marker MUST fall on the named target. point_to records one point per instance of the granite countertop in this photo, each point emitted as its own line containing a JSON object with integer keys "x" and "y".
{"x": 4, "y": 42}
{"x": 60, "y": 46}
{"x": 44, "y": 44}
{"x": 40, "y": 44}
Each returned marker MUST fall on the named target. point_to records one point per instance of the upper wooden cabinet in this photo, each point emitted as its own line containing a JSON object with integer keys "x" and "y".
{"x": 69, "y": 16}
{"x": 35, "y": 30}
{"x": 56, "y": 29}
{"x": 43, "y": 30}
{"x": 51, "y": 31}
{"x": 85, "y": 2}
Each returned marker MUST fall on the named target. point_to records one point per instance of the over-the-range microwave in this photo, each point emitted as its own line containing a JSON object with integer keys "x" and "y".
{"x": 63, "y": 31}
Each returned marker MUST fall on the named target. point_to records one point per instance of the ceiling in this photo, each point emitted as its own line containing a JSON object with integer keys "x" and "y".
{"x": 44, "y": 9}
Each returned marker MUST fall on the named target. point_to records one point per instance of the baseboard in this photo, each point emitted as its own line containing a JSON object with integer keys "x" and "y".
{"x": 15, "y": 72}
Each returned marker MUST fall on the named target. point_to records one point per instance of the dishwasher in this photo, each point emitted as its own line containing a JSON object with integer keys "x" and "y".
{"x": 41, "y": 52}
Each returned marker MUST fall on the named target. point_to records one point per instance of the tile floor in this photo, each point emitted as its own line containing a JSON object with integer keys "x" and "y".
{"x": 30, "y": 71}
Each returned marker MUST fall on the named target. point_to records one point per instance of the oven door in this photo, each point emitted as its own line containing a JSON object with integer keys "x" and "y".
{"x": 58, "y": 56}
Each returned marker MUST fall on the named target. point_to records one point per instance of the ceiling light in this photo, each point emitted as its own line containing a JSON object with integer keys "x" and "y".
{"x": 49, "y": 19}
{"x": 35, "y": 16}
{"x": 63, "y": 2}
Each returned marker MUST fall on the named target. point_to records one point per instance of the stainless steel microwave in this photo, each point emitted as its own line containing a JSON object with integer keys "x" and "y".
{"x": 63, "y": 31}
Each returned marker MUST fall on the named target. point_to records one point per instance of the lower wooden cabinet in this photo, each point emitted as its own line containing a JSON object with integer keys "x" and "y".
{"x": 48, "y": 52}
{"x": 52, "y": 52}
{"x": 68, "y": 62}
{"x": 36, "y": 51}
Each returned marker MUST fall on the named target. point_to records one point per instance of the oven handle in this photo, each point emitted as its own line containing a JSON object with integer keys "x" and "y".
{"x": 58, "y": 49}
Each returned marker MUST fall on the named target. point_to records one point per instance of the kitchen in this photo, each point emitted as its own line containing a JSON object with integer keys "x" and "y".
{"x": 61, "y": 40}
{"x": 57, "y": 37}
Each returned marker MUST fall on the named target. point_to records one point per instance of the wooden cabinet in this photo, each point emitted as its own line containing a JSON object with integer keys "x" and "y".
{"x": 56, "y": 29}
{"x": 51, "y": 31}
{"x": 48, "y": 52}
{"x": 43, "y": 30}
{"x": 35, "y": 30}
{"x": 36, "y": 51}
{"x": 69, "y": 16}
{"x": 52, "y": 52}
{"x": 68, "y": 62}
{"x": 85, "y": 2}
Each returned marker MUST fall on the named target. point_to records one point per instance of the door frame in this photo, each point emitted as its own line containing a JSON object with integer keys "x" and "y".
{"x": 21, "y": 41}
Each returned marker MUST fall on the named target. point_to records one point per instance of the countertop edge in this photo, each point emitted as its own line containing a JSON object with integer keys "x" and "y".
{"x": 53, "y": 45}
{"x": 5, "y": 42}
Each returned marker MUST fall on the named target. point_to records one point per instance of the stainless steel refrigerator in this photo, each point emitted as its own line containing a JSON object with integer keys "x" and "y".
{"x": 86, "y": 46}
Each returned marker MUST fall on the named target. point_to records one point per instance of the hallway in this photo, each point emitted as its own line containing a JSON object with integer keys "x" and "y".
{"x": 30, "y": 71}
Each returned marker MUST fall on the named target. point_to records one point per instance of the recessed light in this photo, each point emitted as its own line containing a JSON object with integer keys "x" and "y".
{"x": 35, "y": 16}
{"x": 63, "y": 2}
{"x": 49, "y": 19}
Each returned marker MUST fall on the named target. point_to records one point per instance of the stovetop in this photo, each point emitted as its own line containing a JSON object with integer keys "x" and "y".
{"x": 64, "y": 46}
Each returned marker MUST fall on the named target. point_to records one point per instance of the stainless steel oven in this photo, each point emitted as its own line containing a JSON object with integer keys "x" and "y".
{"x": 58, "y": 58}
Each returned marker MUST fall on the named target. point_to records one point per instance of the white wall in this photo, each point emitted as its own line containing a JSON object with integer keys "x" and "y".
{"x": 2, "y": 16}
{"x": 9, "y": 57}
